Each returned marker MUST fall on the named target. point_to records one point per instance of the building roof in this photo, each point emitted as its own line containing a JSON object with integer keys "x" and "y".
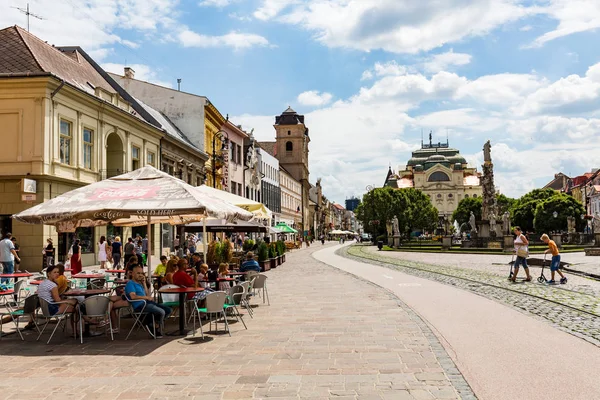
{"x": 21, "y": 52}
{"x": 290, "y": 117}
{"x": 558, "y": 183}
{"x": 339, "y": 206}
{"x": 269, "y": 147}
{"x": 169, "y": 127}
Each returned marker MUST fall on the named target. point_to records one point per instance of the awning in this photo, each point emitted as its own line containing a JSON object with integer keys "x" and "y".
{"x": 219, "y": 225}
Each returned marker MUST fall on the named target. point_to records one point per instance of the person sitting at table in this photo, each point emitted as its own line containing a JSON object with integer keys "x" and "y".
{"x": 48, "y": 290}
{"x": 183, "y": 279}
{"x": 61, "y": 281}
{"x": 250, "y": 264}
{"x": 133, "y": 261}
{"x": 137, "y": 290}
{"x": 161, "y": 269}
{"x": 196, "y": 262}
{"x": 224, "y": 274}
{"x": 170, "y": 271}
{"x": 203, "y": 276}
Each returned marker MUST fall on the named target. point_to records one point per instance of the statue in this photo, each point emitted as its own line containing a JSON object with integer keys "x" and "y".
{"x": 487, "y": 150}
{"x": 506, "y": 223}
{"x": 492, "y": 224}
{"x": 388, "y": 228}
{"x": 395, "y": 227}
{"x": 571, "y": 224}
{"x": 472, "y": 223}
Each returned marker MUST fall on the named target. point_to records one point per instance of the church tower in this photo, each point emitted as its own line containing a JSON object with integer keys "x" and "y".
{"x": 292, "y": 152}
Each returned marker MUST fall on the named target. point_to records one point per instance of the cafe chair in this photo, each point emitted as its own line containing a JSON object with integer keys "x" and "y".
{"x": 28, "y": 306}
{"x": 215, "y": 303}
{"x": 58, "y": 317}
{"x": 139, "y": 317}
{"x": 97, "y": 283}
{"x": 241, "y": 295}
{"x": 98, "y": 307}
{"x": 231, "y": 304}
{"x": 170, "y": 300}
{"x": 260, "y": 282}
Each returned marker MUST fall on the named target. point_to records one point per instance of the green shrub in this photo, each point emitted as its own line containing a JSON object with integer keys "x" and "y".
{"x": 272, "y": 250}
{"x": 280, "y": 247}
{"x": 263, "y": 251}
{"x": 248, "y": 245}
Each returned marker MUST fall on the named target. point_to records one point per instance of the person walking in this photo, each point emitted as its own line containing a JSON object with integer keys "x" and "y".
{"x": 555, "y": 262}
{"x": 129, "y": 249}
{"x": 522, "y": 251}
{"x": 8, "y": 255}
{"x": 17, "y": 249}
{"x": 49, "y": 253}
{"x": 103, "y": 251}
{"x": 76, "y": 266}
{"x": 117, "y": 252}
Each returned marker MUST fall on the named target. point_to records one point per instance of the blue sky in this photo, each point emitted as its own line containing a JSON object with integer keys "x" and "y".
{"x": 369, "y": 75}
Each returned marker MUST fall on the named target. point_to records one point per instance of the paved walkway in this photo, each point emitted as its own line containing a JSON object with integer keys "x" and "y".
{"x": 502, "y": 353}
{"x": 326, "y": 335}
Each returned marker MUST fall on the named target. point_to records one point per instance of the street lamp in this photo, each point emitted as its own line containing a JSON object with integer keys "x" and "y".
{"x": 224, "y": 138}
{"x": 555, "y": 214}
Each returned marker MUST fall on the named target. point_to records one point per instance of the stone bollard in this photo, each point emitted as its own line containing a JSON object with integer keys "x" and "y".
{"x": 446, "y": 242}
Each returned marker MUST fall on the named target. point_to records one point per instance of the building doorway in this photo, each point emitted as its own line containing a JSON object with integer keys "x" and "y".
{"x": 114, "y": 156}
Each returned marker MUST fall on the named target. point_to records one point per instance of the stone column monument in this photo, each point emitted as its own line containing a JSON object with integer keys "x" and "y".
{"x": 489, "y": 206}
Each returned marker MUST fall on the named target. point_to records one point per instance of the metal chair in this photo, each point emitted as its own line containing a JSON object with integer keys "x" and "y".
{"x": 241, "y": 296}
{"x": 139, "y": 316}
{"x": 260, "y": 282}
{"x": 215, "y": 303}
{"x": 58, "y": 317}
{"x": 231, "y": 304}
{"x": 97, "y": 283}
{"x": 98, "y": 307}
{"x": 28, "y": 306}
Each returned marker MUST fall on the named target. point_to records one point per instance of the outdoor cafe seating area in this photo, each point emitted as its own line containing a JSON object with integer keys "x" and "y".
{"x": 104, "y": 309}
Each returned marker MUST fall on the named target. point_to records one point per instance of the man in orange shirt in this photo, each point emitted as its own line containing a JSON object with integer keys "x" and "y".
{"x": 555, "y": 263}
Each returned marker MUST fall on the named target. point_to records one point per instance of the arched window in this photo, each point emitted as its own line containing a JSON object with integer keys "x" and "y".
{"x": 474, "y": 195}
{"x": 289, "y": 146}
{"x": 466, "y": 196}
{"x": 438, "y": 177}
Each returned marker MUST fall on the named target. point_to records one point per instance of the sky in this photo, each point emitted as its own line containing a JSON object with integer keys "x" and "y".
{"x": 369, "y": 75}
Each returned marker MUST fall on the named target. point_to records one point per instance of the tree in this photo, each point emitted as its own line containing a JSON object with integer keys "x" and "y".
{"x": 523, "y": 210}
{"x": 564, "y": 206}
{"x": 464, "y": 208}
{"x": 504, "y": 204}
{"x": 420, "y": 213}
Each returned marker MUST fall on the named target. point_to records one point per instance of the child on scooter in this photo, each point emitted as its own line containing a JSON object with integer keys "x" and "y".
{"x": 555, "y": 263}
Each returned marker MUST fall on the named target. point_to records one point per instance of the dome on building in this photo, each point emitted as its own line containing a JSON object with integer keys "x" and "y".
{"x": 438, "y": 158}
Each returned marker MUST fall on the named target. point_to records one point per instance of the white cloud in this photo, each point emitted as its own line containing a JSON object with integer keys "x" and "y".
{"x": 573, "y": 16}
{"x": 501, "y": 89}
{"x": 142, "y": 72}
{"x": 441, "y": 62}
{"x": 232, "y": 39}
{"x": 214, "y": 3}
{"x": 314, "y": 98}
{"x": 399, "y": 27}
{"x": 526, "y": 28}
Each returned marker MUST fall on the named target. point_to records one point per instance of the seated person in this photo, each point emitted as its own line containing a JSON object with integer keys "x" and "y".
{"x": 61, "y": 281}
{"x": 203, "y": 276}
{"x": 171, "y": 269}
{"x": 132, "y": 262}
{"x": 224, "y": 273}
{"x": 196, "y": 262}
{"x": 183, "y": 279}
{"x": 48, "y": 290}
{"x": 137, "y": 290}
{"x": 250, "y": 264}
{"x": 161, "y": 269}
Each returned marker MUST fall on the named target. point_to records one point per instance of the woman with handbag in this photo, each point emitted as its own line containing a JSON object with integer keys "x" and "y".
{"x": 522, "y": 250}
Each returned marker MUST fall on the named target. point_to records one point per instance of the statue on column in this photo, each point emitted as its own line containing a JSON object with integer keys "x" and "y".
{"x": 395, "y": 226}
{"x": 472, "y": 223}
{"x": 506, "y": 223}
{"x": 492, "y": 224}
{"x": 571, "y": 224}
{"x": 487, "y": 152}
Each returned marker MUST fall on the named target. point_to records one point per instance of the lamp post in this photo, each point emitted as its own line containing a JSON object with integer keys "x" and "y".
{"x": 224, "y": 137}
{"x": 369, "y": 188}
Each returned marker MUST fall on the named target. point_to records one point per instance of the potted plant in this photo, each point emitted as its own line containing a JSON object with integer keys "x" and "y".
{"x": 212, "y": 254}
{"x": 248, "y": 245}
{"x": 263, "y": 256}
{"x": 226, "y": 252}
{"x": 273, "y": 255}
{"x": 282, "y": 249}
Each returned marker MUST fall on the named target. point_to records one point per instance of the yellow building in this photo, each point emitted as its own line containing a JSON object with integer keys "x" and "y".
{"x": 63, "y": 126}
{"x": 213, "y": 122}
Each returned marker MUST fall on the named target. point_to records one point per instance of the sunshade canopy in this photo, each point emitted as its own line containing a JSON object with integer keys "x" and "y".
{"x": 282, "y": 227}
{"x": 259, "y": 210}
{"x": 131, "y": 199}
{"x": 219, "y": 225}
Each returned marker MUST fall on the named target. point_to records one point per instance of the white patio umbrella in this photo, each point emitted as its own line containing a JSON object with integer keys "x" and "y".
{"x": 143, "y": 197}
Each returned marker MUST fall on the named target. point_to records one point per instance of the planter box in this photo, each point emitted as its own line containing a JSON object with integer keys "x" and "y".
{"x": 273, "y": 262}
{"x": 279, "y": 260}
{"x": 283, "y": 258}
{"x": 265, "y": 265}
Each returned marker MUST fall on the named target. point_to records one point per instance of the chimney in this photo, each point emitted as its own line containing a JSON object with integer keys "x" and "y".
{"x": 129, "y": 73}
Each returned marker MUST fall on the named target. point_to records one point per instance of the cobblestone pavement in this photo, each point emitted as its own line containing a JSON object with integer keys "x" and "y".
{"x": 573, "y": 311}
{"x": 326, "y": 335}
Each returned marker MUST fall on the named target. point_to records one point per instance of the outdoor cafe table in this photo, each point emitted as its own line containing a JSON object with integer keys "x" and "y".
{"x": 88, "y": 277}
{"x": 35, "y": 282}
{"x": 116, "y": 271}
{"x": 182, "y": 291}
{"x": 16, "y": 276}
{"x": 86, "y": 293}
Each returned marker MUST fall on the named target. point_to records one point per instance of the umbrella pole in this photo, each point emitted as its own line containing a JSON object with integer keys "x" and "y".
{"x": 204, "y": 238}
{"x": 149, "y": 258}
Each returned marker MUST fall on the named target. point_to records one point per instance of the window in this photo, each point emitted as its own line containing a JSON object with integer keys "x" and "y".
{"x": 439, "y": 196}
{"x": 65, "y": 141}
{"x": 438, "y": 177}
{"x": 474, "y": 195}
{"x": 233, "y": 153}
{"x": 88, "y": 147}
{"x": 466, "y": 196}
{"x": 289, "y": 146}
{"x": 289, "y": 133}
{"x": 239, "y": 154}
{"x": 450, "y": 196}
{"x": 135, "y": 158}
{"x": 151, "y": 159}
